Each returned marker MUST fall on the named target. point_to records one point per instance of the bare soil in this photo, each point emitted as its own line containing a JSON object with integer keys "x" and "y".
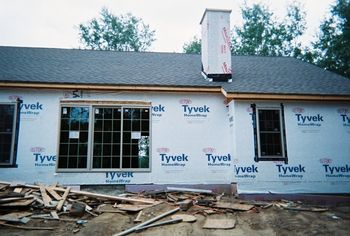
{"x": 270, "y": 221}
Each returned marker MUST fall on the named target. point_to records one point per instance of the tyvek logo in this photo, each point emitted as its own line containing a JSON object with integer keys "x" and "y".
{"x": 119, "y": 177}
{"x": 158, "y": 110}
{"x": 345, "y": 118}
{"x": 245, "y": 171}
{"x": 31, "y": 108}
{"x": 307, "y": 120}
{"x": 15, "y": 97}
{"x": 326, "y": 161}
{"x": 42, "y": 160}
{"x": 342, "y": 171}
{"x": 193, "y": 111}
{"x": 174, "y": 160}
{"x": 290, "y": 171}
{"x": 215, "y": 159}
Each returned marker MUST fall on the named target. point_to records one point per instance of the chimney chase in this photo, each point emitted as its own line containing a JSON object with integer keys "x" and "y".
{"x": 216, "y": 45}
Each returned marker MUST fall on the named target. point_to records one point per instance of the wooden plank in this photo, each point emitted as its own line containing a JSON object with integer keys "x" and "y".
{"x": 16, "y": 217}
{"x": 53, "y": 193}
{"x": 172, "y": 221}
{"x": 219, "y": 224}
{"x": 184, "y": 217}
{"x": 44, "y": 196}
{"x": 137, "y": 219}
{"x": 64, "y": 197}
{"x": 96, "y": 195}
{"x": 233, "y": 206}
{"x": 132, "y": 229}
{"x": 13, "y": 199}
{"x": 54, "y": 215}
{"x": 18, "y": 190}
{"x": 18, "y": 203}
{"x": 26, "y": 227}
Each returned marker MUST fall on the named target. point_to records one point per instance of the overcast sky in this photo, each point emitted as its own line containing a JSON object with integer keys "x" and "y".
{"x": 53, "y": 23}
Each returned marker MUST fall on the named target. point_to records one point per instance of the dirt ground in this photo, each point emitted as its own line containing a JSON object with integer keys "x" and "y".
{"x": 270, "y": 221}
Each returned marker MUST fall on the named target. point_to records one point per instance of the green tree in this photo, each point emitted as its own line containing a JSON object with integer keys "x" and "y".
{"x": 261, "y": 34}
{"x": 193, "y": 47}
{"x": 331, "y": 49}
{"x": 119, "y": 33}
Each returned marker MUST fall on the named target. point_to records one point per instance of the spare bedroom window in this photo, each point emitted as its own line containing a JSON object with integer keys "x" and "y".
{"x": 269, "y": 134}
{"x": 104, "y": 138}
{"x": 8, "y": 130}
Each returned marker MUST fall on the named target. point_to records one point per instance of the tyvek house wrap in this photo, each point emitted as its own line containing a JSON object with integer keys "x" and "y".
{"x": 214, "y": 141}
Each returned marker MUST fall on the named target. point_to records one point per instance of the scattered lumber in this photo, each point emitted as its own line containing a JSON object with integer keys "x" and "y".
{"x": 172, "y": 221}
{"x": 63, "y": 199}
{"x": 26, "y": 227}
{"x": 233, "y": 206}
{"x": 184, "y": 217}
{"x": 132, "y": 229}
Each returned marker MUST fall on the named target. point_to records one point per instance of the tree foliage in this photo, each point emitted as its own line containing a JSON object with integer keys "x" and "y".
{"x": 331, "y": 49}
{"x": 261, "y": 33}
{"x": 193, "y": 47}
{"x": 119, "y": 33}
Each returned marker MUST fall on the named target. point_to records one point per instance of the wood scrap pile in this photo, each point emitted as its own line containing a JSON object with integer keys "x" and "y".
{"x": 21, "y": 203}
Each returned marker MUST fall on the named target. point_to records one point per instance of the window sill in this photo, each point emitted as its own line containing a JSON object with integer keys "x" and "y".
{"x": 8, "y": 166}
{"x": 272, "y": 158}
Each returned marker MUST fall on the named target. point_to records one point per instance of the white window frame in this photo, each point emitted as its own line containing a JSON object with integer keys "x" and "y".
{"x": 13, "y": 139}
{"x": 103, "y": 104}
{"x": 281, "y": 132}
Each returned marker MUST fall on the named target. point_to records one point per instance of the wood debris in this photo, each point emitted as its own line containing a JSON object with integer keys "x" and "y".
{"x": 21, "y": 204}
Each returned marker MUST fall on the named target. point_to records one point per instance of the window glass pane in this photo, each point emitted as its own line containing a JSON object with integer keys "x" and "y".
{"x": 127, "y": 113}
{"x": 269, "y": 133}
{"x": 107, "y": 137}
{"x": 74, "y": 137}
{"x": 97, "y": 162}
{"x": 127, "y": 125}
{"x": 106, "y": 162}
{"x": 82, "y": 161}
{"x": 107, "y": 125}
{"x": 126, "y": 162}
{"x": 143, "y": 154}
{"x": 116, "y": 137}
{"x": 115, "y": 149}
{"x": 107, "y": 113}
{"x": 62, "y": 161}
{"x": 136, "y": 126}
{"x": 145, "y": 113}
{"x": 7, "y": 113}
{"x": 116, "y": 125}
{"x": 145, "y": 125}
{"x": 135, "y": 113}
{"x": 116, "y": 162}
{"x": 72, "y": 162}
{"x": 117, "y": 113}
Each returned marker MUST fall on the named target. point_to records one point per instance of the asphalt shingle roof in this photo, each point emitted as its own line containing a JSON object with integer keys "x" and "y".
{"x": 251, "y": 74}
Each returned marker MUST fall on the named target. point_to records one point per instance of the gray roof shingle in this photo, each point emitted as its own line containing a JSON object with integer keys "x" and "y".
{"x": 251, "y": 74}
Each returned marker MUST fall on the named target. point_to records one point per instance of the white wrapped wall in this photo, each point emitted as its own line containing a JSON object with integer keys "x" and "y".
{"x": 197, "y": 139}
{"x": 318, "y": 146}
{"x": 192, "y": 129}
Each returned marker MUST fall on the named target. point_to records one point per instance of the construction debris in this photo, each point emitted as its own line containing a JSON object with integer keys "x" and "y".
{"x": 21, "y": 204}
